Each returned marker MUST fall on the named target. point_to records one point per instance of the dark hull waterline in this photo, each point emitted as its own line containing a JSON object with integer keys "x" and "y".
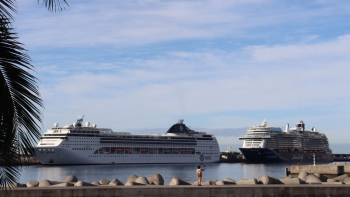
{"x": 266, "y": 155}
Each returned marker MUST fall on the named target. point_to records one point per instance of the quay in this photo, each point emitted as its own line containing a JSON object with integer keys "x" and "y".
{"x": 328, "y": 170}
{"x": 331, "y": 180}
{"x": 185, "y": 191}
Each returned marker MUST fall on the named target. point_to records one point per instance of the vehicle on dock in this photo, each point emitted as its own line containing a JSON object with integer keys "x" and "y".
{"x": 78, "y": 144}
{"x": 263, "y": 144}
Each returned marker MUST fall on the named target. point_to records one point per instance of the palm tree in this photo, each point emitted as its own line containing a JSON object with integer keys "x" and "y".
{"x": 20, "y": 102}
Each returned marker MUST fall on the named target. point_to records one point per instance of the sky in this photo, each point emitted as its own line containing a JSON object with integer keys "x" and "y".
{"x": 143, "y": 64}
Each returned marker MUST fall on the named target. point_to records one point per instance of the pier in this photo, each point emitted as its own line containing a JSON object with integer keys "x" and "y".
{"x": 305, "y": 180}
{"x": 328, "y": 170}
{"x": 186, "y": 191}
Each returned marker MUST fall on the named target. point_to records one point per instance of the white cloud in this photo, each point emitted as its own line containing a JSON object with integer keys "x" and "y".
{"x": 338, "y": 48}
{"x": 129, "y": 23}
{"x": 191, "y": 84}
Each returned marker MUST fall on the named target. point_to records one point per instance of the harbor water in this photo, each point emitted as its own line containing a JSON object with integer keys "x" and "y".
{"x": 90, "y": 173}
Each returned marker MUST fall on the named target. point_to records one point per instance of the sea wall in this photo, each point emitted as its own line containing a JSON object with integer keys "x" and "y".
{"x": 329, "y": 170}
{"x": 185, "y": 191}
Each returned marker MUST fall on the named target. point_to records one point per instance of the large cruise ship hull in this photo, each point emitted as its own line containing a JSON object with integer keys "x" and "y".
{"x": 266, "y": 155}
{"x": 67, "y": 157}
{"x": 77, "y": 144}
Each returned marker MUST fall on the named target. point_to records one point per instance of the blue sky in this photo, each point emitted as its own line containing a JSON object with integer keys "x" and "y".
{"x": 130, "y": 65}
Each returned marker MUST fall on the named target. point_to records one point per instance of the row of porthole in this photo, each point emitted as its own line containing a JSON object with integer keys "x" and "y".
{"x": 43, "y": 150}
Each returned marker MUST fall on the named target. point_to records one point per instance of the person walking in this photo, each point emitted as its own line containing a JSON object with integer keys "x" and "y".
{"x": 199, "y": 174}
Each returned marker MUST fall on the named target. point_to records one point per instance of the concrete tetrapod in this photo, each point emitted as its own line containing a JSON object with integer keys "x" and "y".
{"x": 95, "y": 183}
{"x": 55, "y": 182}
{"x": 340, "y": 178}
{"x": 115, "y": 182}
{"x": 64, "y": 184}
{"x": 229, "y": 180}
{"x": 156, "y": 179}
{"x": 178, "y": 181}
{"x": 311, "y": 178}
{"x": 70, "y": 178}
{"x": 131, "y": 183}
{"x": 104, "y": 182}
{"x": 332, "y": 180}
{"x": 45, "y": 183}
{"x": 347, "y": 180}
{"x": 269, "y": 180}
{"x": 226, "y": 181}
{"x": 247, "y": 182}
{"x": 291, "y": 181}
{"x": 132, "y": 178}
{"x": 81, "y": 183}
{"x": 33, "y": 183}
{"x": 142, "y": 180}
{"x": 207, "y": 183}
{"x": 302, "y": 175}
{"x": 322, "y": 177}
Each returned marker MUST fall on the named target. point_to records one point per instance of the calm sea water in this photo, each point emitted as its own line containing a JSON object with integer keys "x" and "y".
{"x": 90, "y": 173}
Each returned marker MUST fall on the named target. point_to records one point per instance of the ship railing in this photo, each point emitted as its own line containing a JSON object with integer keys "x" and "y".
{"x": 255, "y": 136}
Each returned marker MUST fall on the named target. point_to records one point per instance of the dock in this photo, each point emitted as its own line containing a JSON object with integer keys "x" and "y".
{"x": 328, "y": 170}
{"x": 231, "y": 157}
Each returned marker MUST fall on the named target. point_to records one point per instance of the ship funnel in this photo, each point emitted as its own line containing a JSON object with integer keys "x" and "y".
{"x": 180, "y": 121}
{"x": 287, "y": 128}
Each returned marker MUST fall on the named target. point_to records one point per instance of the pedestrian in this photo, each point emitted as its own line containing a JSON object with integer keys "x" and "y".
{"x": 199, "y": 174}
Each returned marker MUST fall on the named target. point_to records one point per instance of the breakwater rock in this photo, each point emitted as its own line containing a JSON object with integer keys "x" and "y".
{"x": 157, "y": 179}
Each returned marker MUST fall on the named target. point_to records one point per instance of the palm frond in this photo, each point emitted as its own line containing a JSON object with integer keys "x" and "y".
{"x": 20, "y": 105}
{"x": 4, "y": 6}
{"x": 55, "y": 5}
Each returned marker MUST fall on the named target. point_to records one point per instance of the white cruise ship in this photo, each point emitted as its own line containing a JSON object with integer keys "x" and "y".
{"x": 78, "y": 144}
{"x": 263, "y": 144}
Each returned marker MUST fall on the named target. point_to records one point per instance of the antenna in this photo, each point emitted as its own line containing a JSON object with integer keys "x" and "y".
{"x": 80, "y": 120}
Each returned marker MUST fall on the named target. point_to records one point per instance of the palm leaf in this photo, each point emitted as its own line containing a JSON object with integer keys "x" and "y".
{"x": 55, "y": 5}
{"x": 4, "y": 6}
{"x": 20, "y": 105}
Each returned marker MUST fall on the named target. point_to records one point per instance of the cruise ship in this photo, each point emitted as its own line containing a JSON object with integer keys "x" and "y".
{"x": 263, "y": 144}
{"x": 78, "y": 144}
